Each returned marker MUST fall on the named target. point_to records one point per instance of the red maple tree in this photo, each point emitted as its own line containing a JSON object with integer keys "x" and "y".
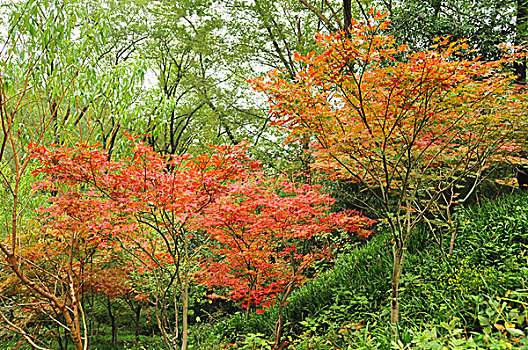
{"x": 257, "y": 231}
{"x": 249, "y": 226}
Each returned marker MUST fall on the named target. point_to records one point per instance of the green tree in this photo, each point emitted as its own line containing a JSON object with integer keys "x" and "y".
{"x": 200, "y": 54}
{"x": 52, "y": 85}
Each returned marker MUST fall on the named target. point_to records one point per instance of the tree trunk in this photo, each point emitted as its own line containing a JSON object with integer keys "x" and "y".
{"x": 347, "y": 15}
{"x": 521, "y": 37}
{"x": 398, "y": 254}
{"x": 278, "y": 325}
{"x": 54, "y": 109}
{"x": 92, "y": 320}
{"x": 112, "y": 322}
{"x": 136, "y": 321}
{"x": 61, "y": 347}
{"x": 452, "y": 240}
{"x": 436, "y": 4}
{"x": 305, "y": 156}
{"x": 176, "y": 314}
{"x": 185, "y": 298}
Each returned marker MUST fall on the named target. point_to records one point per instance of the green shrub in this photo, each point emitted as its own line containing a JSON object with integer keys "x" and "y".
{"x": 495, "y": 232}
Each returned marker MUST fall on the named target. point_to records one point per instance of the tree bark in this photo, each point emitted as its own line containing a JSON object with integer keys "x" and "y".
{"x": 185, "y": 298}
{"x": 112, "y": 322}
{"x": 59, "y": 338}
{"x": 398, "y": 254}
{"x": 136, "y": 321}
{"x": 278, "y": 325}
{"x": 347, "y": 15}
{"x": 92, "y": 319}
{"x": 521, "y": 37}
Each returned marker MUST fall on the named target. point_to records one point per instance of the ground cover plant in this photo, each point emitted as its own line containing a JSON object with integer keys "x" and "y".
{"x": 152, "y": 199}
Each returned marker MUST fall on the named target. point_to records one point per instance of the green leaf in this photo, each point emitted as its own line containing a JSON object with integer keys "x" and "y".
{"x": 484, "y": 321}
{"x": 515, "y": 332}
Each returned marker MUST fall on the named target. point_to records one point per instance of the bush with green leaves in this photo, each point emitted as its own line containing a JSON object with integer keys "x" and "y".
{"x": 494, "y": 233}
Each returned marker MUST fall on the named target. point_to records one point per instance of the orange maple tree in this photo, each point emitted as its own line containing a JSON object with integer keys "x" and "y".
{"x": 407, "y": 126}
